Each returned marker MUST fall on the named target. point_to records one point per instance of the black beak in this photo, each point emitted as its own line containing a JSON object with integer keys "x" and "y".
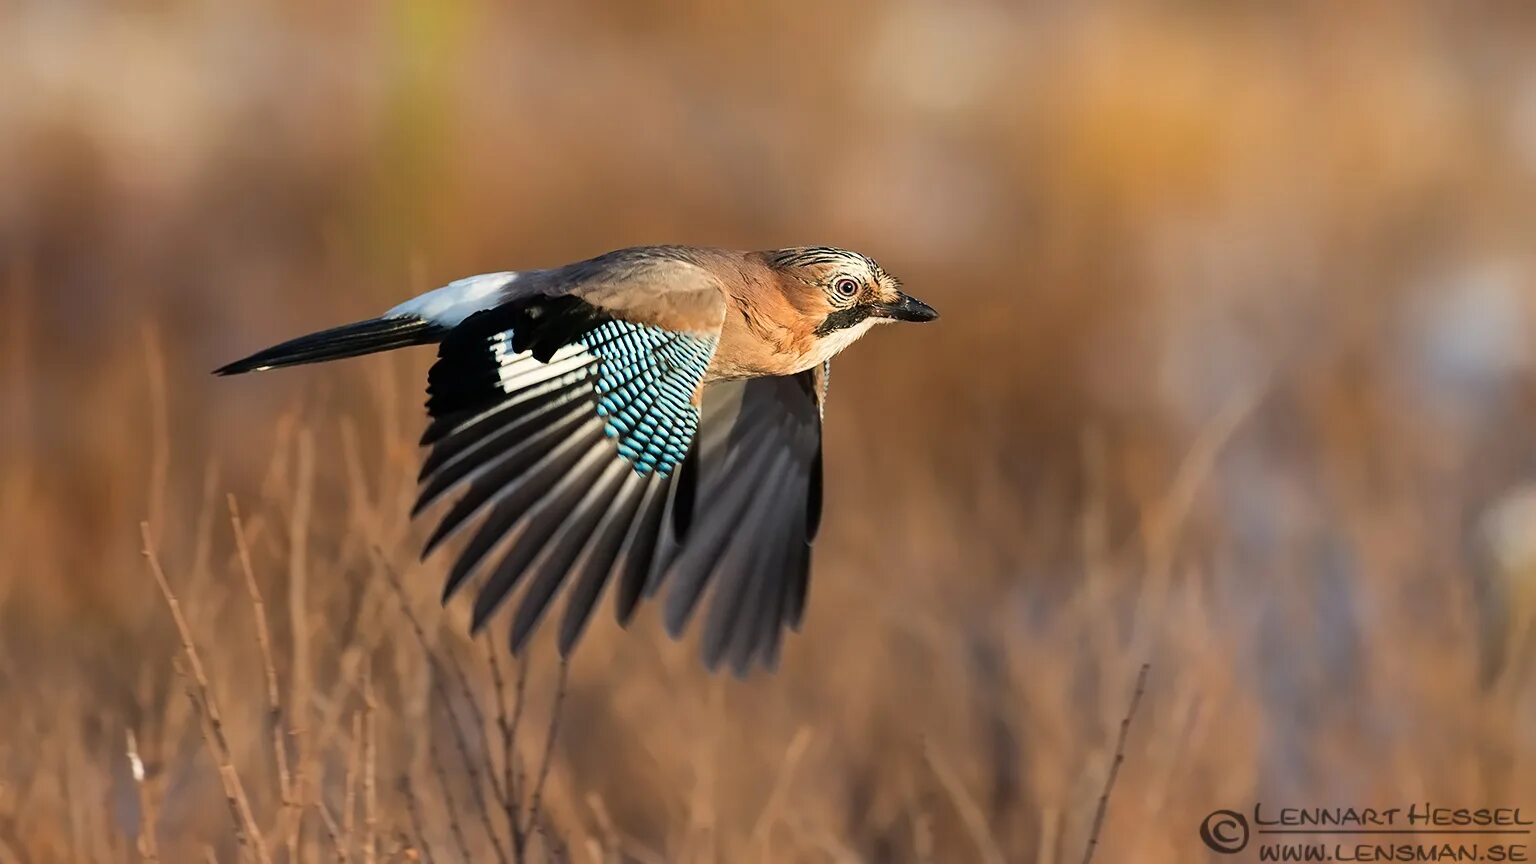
{"x": 905, "y": 308}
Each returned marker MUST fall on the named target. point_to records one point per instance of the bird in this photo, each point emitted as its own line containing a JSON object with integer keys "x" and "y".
{"x": 647, "y": 418}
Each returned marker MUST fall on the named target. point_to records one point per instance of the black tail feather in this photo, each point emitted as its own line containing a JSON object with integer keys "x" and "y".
{"x": 348, "y": 340}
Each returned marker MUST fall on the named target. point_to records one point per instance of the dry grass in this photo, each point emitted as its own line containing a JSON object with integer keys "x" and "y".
{"x": 1235, "y": 361}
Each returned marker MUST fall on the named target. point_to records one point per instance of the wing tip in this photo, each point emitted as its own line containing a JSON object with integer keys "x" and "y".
{"x": 228, "y": 369}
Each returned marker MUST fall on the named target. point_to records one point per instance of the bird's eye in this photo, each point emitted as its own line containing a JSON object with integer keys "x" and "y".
{"x": 846, "y": 286}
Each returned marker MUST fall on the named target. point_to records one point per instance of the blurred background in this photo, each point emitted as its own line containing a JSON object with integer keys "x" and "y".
{"x": 1234, "y": 378}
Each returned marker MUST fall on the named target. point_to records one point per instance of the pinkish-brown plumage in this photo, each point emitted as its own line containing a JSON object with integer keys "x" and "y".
{"x": 650, "y": 416}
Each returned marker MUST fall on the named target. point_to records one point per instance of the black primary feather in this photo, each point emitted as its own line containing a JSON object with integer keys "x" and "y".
{"x": 601, "y": 557}
{"x": 348, "y": 340}
{"x": 753, "y": 519}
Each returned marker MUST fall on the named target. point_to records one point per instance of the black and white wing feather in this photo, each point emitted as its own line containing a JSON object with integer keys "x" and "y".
{"x": 752, "y": 489}
{"x": 559, "y": 427}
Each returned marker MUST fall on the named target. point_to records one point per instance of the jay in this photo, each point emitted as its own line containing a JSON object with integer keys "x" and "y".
{"x": 648, "y": 417}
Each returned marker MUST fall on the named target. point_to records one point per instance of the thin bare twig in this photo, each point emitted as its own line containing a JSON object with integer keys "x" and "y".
{"x": 413, "y": 809}
{"x": 247, "y": 835}
{"x": 549, "y": 749}
{"x": 332, "y": 830}
{"x": 473, "y": 704}
{"x": 482, "y": 729}
{"x": 519, "y": 701}
{"x": 200, "y": 693}
{"x": 503, "y": 784}
{"x": 455, "y": 828}
{"x": 504, "y": 722}
{"x": 1114, "y": 766}
{"x": 476, "y": 782}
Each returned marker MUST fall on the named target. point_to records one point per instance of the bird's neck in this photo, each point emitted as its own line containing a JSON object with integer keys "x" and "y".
{"x": 762, "y": 333}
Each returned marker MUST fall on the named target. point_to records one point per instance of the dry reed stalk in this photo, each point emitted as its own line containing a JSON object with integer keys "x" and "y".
{"x": 79, "y": 839}
{"x": 269, "y": 669}
{"x": 1164, "y": 520}
{"x": 772, "y": 810}
{"x": 370, "y": 770}
{"x": 17, "y": 383}
{"x": 349, "y": 796}
{"x": 922, "y": 837}
{"x": 368, "y": 634}
{"x": 298, "y": 612}
{"x": 1048, "y": 843}
{"x": 969, "y": 811}
{"x": 358, "y": 495}
{"x": 159, "y": 418}
{"x": 617, "y": 839}
{"x": 276, "y": 476}
{"x": 203, "y": 550}
{"x": 201, "y": 696}
{"x": 20, "y": 329}
{"x": 610, "y": 834}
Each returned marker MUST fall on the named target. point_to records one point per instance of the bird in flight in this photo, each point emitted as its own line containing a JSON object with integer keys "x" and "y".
{"x": 650, "y": 417}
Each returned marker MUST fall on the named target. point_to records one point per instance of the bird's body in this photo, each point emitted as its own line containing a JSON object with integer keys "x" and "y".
{"x": 648, "y": 416}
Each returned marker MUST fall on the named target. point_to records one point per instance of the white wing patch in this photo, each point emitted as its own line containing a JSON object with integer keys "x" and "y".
{"x": 521, "y": 371}
{"x": 459, "y": 299}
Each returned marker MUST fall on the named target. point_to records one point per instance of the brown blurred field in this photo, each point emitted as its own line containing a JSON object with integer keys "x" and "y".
{"x": 1234, "y": 378}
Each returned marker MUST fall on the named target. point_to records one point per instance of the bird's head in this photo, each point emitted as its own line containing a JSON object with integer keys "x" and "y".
{"x": 841, "y": 294}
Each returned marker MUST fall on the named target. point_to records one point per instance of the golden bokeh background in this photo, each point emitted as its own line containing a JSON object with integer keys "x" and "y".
{"x": 1234, "y": 378}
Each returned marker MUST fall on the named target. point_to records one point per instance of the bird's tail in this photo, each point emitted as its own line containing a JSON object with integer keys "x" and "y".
{"x": 348, "y": 340}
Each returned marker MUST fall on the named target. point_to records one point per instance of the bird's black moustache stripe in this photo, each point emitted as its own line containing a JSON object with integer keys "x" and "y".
{"x": 842, "y": 319}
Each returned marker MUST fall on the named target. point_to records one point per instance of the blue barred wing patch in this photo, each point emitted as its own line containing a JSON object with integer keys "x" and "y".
{"x": 641, "y": 378}
{"x": 646, "y": 379}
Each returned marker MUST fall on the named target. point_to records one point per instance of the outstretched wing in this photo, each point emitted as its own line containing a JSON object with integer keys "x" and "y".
{"x": 746, "y": 510}
{"x": 560, "y": 421}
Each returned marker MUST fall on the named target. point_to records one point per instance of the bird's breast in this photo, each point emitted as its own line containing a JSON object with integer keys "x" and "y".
{"x": 753, "y": 344}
